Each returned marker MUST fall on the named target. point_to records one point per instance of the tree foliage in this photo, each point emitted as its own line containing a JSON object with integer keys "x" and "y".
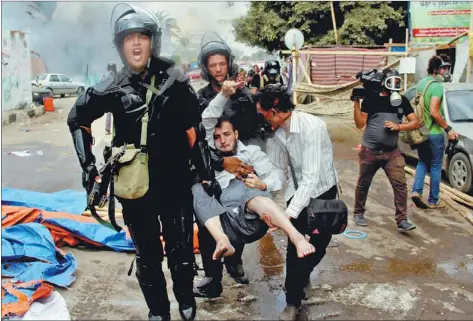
{"x": 358, "y": 23}
{"x": 167, "y": 23}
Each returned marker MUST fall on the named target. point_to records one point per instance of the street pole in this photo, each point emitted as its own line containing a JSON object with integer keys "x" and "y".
{"x": 470, "y": 45}
{"x": 294, "y": 73}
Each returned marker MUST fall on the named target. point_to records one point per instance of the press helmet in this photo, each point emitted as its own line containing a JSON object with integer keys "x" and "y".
{"x": 272, "y": 67}
{"x": 212, "y": 44}
{"x": 130, "y": 19}
{"x": 391, "y": 79}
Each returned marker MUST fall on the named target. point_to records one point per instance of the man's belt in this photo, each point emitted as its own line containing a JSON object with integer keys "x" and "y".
{"x": 379, "y": 150}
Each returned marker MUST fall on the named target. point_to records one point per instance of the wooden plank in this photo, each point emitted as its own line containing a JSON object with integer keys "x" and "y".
{"x": 347, "y": 53}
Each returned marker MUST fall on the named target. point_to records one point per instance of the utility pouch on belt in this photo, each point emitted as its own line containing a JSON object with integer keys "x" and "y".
{"x": 131, "y": 176}
{"x": 327, "y": 215}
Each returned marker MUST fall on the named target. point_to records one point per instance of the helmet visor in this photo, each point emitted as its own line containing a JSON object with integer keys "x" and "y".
{"x": 393, "y": 83}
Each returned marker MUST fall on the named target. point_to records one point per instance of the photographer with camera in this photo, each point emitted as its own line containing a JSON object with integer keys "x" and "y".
{"x": 382, "y": 111}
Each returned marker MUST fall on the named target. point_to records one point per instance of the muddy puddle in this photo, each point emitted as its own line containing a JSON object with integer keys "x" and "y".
{"x": 271, "y": 259}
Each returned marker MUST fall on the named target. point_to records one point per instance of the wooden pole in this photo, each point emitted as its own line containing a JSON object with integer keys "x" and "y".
{"x": 334, "y": 22}
{"x": 443, "y": 187}
{"x": 346, "y": 53}
{"x": 306, "y": 74}
{"x": 449, "y": 195}
{"x": 294, "y": 74}
{"x": 470, "y": 39}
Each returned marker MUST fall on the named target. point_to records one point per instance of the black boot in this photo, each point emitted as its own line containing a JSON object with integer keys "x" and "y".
{"x": 209, "y": 287}
{"x": 152, "y": 317}
{"x": 188, "y": 311}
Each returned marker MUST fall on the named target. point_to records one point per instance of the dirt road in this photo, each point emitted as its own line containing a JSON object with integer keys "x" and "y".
{"x": 426, "y": 274}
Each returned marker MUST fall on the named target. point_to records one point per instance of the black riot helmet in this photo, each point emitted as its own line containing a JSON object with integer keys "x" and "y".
{"x": 272, "y": 67}
{"x": 128, "y": 19}
{"x": 213, "y": 44}
{"x": 112, "y": 66}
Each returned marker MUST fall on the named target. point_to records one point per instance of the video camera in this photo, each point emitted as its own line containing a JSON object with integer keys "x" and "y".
{"x": 371, "y": 82}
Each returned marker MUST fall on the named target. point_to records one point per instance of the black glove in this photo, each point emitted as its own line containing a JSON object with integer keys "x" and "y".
{"x": 88, "y": 178}
{"x": 212, "y": 188}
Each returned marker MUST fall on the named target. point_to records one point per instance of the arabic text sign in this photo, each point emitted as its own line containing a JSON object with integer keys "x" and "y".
{"x": 439, "y": 21}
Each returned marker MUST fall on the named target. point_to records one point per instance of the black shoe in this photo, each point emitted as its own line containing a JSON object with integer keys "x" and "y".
{"x": 188, "y": 311}
{"x": 209, "y": 287}
{"x": 360, "y": 220}
{"x": 236, "y": 272}
{"x": 418, "y": 201}
{"x": 405, "y": 226}
{"x": 152, "y": 317}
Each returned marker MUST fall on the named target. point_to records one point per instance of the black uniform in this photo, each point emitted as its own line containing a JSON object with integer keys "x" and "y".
{"x": 241, "y": 110}
{"x": 169, "y": 199}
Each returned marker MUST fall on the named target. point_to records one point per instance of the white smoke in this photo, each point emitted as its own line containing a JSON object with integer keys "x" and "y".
{"x": 76, "y": 38}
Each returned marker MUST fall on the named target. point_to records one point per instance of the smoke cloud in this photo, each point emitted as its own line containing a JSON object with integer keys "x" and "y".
{"x": 74, "y": 38}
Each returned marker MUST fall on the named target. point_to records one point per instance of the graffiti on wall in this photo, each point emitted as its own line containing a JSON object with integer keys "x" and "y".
{"x": 16, "y": 70}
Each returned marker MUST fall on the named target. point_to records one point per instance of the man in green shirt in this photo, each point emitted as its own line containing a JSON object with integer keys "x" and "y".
{"x": 431, "y": 152}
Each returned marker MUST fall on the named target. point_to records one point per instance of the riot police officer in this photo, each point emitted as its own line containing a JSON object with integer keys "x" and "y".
{"x": 270, "y": 75}
{"x": 173, "y": 138}
{"x": 216, "y": 61}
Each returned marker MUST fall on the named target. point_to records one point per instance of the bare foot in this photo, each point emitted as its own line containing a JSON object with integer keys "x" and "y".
{"x": 303, "y": 247}
{"x": 223, "y": 248}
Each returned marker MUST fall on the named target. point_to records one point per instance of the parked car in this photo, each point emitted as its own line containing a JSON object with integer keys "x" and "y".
{"x": 40, "y": 93}
{"x": 194, "y": 74}
{"x": 59, "y": 84}
{"x": 458, "y": 112}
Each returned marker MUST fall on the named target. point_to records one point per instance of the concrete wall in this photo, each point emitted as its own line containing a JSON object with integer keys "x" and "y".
{"x": 16, "y": 70}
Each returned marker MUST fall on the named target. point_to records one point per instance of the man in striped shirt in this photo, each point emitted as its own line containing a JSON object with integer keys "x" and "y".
{"x": 305, "y": 140}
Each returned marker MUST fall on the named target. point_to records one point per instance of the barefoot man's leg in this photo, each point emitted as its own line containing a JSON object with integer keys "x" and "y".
{"x": 269, "y": 211}
{"x": 224, "y": 247}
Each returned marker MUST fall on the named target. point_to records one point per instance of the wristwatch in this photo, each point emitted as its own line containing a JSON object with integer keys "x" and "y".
{"x": 448, "y": 129}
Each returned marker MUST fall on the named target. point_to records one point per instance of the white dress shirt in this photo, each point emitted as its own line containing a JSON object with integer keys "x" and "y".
{"x": 272, "y": 175}
{"x": 308, "y": 144}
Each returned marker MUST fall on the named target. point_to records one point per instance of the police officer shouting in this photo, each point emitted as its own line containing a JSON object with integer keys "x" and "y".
{"x": 216, "y": 62}
{"x": 171, "y": 139}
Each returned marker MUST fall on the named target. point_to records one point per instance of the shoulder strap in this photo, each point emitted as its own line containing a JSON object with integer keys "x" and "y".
{"x": 423, "y": 107}
{"x": 293, "y": 172}
{"x": 427, "y": 86}
{"x": 294, "y": 179}
{"x": 144, "y": 119}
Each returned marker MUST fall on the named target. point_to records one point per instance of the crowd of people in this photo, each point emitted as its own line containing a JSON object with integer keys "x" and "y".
{"x": 218, "y": 156}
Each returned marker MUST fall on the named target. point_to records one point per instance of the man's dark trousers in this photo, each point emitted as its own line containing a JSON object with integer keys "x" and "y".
{"x": 298, "y": 270}
{"x": 392, "y": 162}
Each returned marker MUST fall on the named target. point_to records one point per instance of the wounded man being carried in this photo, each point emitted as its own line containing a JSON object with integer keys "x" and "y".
{"x": 245, "y": 209}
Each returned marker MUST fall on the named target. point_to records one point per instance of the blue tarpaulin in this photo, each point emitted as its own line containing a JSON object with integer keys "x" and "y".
{"x": 96, "y": 232}
{"x": 29, "y": 253}
{"x": 68, "y": 201}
